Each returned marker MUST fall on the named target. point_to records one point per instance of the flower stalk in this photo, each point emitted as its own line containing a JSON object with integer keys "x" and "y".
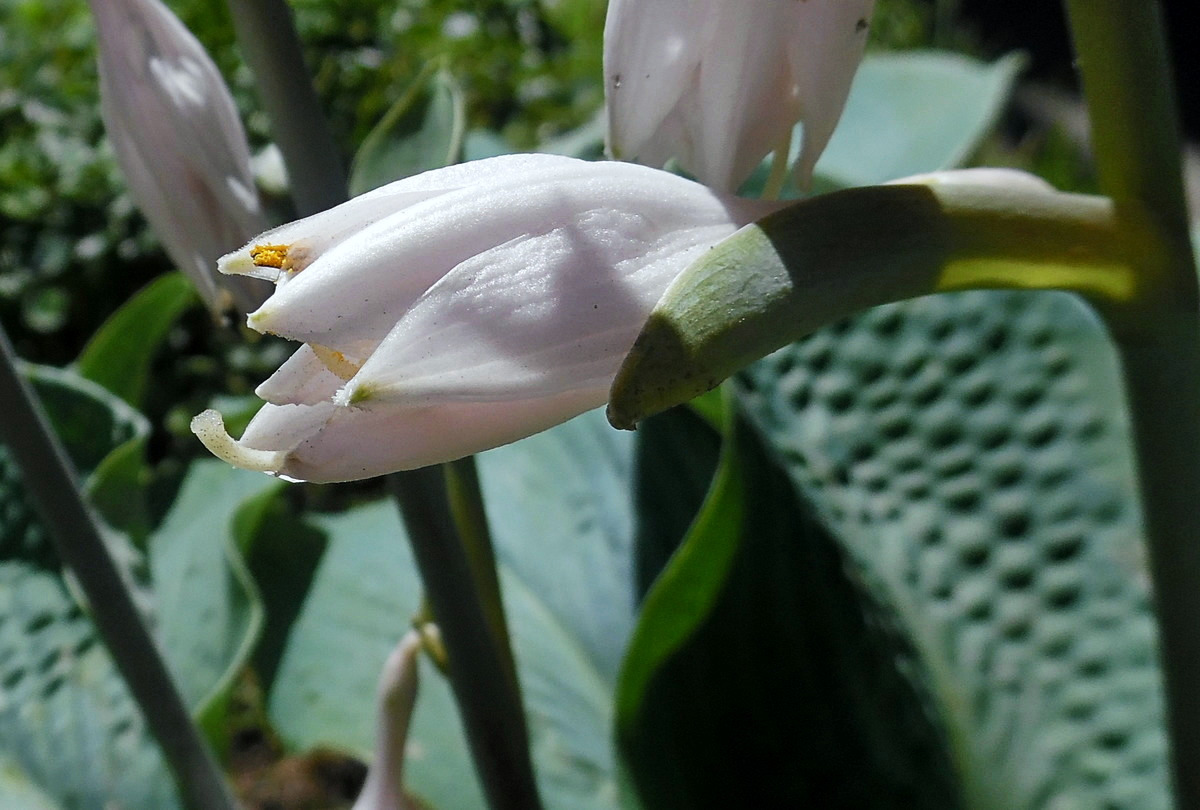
{"x": 51, "y": 482}
{"x": 1123, "y": 60}
{"x": 449, "y": 549}
{"x": 274, "y": 52}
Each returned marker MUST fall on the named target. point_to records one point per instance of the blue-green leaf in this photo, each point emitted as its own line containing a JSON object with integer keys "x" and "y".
{"x": 562, "y": 531}
{"x": 914, "y": 112}
{"x": 17, "y": 792}
{"x": 66, "y": 717}
{"x": 67, "y": 721}
{"x": 119, "y": 355}
{"x": 970, "y": 453}
{"x": 752, "y": 633}
{"x": 209, "y": 614}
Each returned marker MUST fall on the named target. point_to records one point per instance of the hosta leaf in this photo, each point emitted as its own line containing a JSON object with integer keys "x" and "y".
{"x": 119, "y": 355}
{"x": 17, "y": 792}
{"x": 209, "y": 614}
{"x": 67, "y": 722}
{"x": 363, "y": 596}
{"x": 970, "y": 454}
{"x": 66, "y": 718}
{"x": 759, "y": 675}
{"x": 203, "y": 610}
{"x": 282, "y": 552}
{"x": 913, "y": 112}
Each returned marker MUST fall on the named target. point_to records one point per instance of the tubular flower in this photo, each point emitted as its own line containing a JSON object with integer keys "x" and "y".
{"x": 461, "y": 309}
{"x": 178, "y": 140}
{"x": 720, "y": 83}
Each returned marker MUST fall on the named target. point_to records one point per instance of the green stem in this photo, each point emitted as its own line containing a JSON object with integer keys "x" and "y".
{"x": 50, "y": 480}
{"x": 273, "y": 50}
{"x": 1162, "y": 379}
{"x": 466, "y": 505}
{"x": 445, "y": 516}
{"x": 480, "y": 663}
{"x": 1123, "y": 61}
{"x": 1122, "y": 56}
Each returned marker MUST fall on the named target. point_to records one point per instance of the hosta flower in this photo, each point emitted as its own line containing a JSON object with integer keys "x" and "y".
{"x": 178, "y": 141}
{"x": 461, "y": 309}
{"x": 720, "y": 83}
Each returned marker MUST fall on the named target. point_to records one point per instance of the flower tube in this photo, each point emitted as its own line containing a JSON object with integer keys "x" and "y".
{"x": 461, "y": 309}
{"x": 720, "y": 83}
{"x": 179, "y": 142}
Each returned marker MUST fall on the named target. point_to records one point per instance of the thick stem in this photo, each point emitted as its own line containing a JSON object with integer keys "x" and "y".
{"x": 1162, "y": 378}
{"x": 273, "y": 51}
{"x": 1122, "y": 55}
{"x": 479, "y": 662}
{"x": 50, "y": 481}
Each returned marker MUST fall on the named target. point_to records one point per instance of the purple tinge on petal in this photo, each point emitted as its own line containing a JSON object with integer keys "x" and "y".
{"x": 649, "y": 62}
{"x": 302, "y": 379}
{"x": 347, "y": 443}
{"x": 719, "y": 84}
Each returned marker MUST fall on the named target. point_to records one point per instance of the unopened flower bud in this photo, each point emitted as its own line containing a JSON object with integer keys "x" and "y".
{"x": 179, "y": 142}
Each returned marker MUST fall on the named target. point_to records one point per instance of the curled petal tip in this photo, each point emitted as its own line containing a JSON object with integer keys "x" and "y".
{"x": 260, "y": 319}
{"x": 209, "y": 428}
{"x": 237, "y": 263}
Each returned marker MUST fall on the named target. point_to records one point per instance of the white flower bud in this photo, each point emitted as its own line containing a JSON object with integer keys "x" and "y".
{"x": 718, "y": 84}
{"x": 461, "y": 309}
{"x": 384, "y": 788}
{"x": 178, "y": 140}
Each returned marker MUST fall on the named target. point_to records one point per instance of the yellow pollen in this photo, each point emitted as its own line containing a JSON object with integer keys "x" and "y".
{"x": 270, "y": 256}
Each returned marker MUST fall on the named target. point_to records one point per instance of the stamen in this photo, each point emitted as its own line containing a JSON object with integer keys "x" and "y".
{"x": 270, "y": 256}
